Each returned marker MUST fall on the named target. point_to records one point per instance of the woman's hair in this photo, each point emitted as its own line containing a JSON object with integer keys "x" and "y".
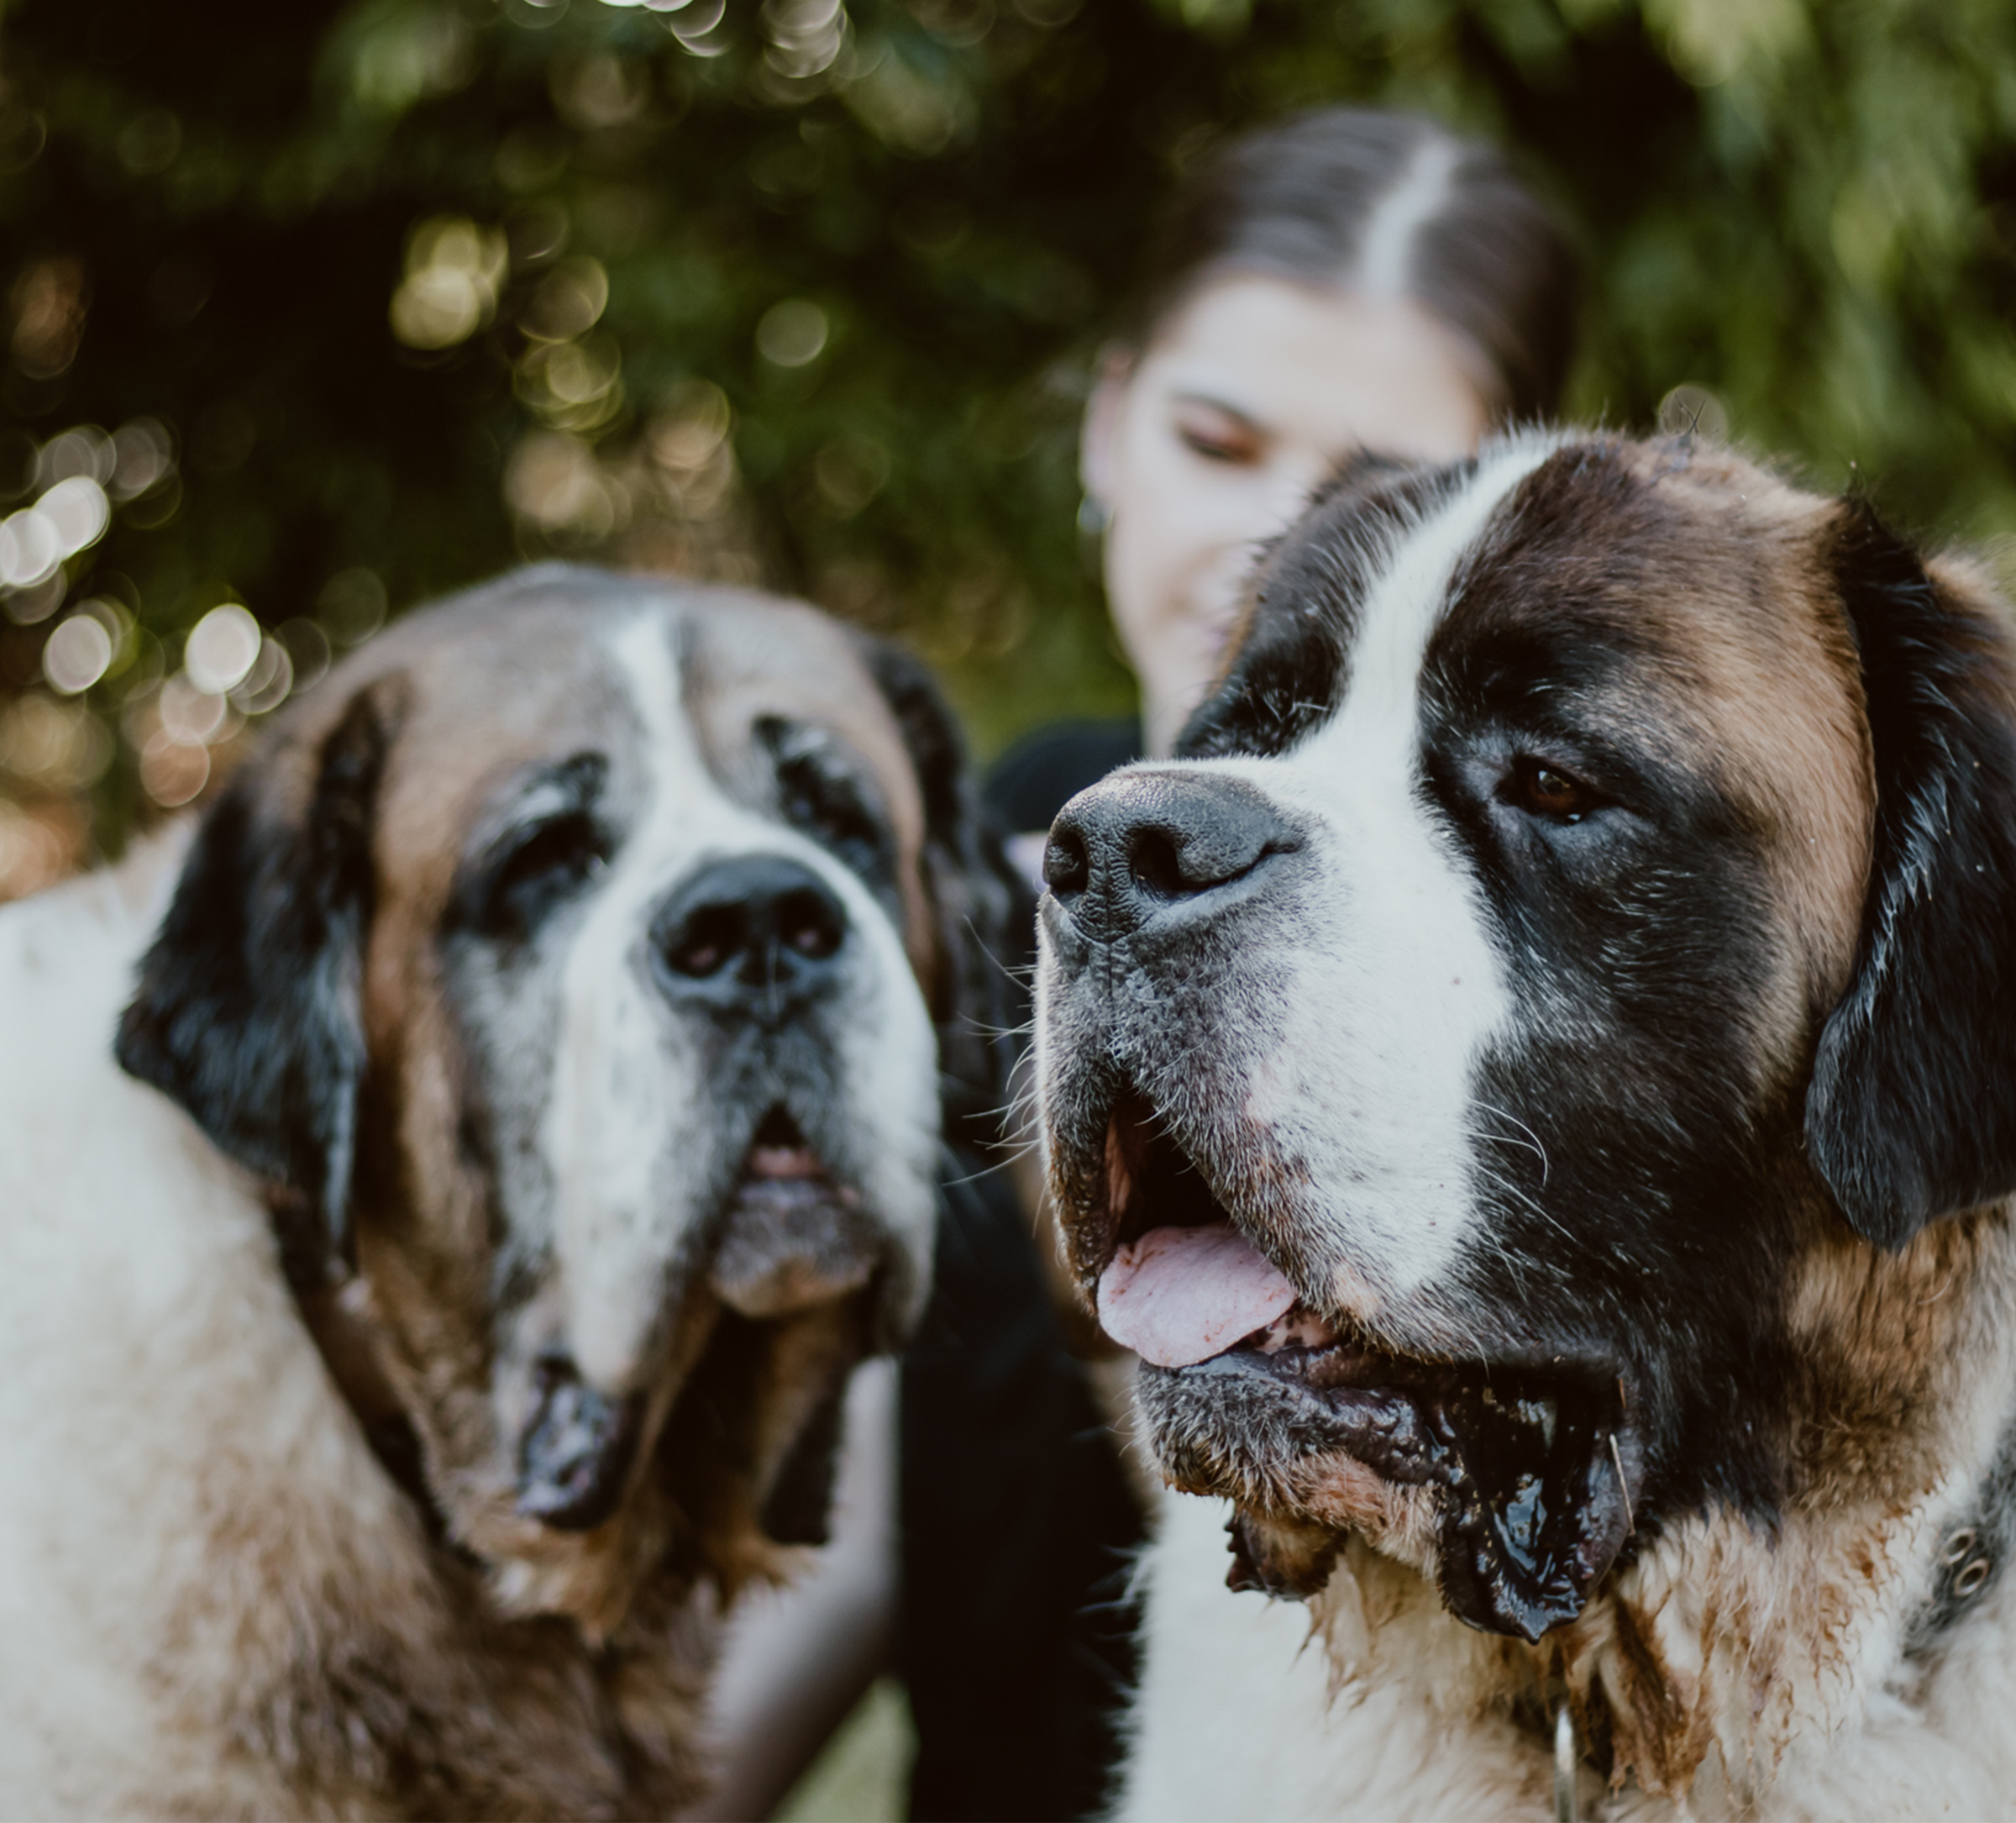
{"x": 1391, "y": 205}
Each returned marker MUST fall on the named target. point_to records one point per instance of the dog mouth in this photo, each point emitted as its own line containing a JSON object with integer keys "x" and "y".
{"x": 785, "y": 1318}
{"x": 1312, "y": 1425}
{"x": 793, "y": 1237}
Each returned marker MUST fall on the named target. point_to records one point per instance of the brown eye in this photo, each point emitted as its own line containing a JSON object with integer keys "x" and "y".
{"x": 1545, "y": 791}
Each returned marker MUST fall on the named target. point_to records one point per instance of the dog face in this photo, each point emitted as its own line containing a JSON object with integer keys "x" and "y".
{"x": 1589, "y": 884}
{"x": 568, "y": 965}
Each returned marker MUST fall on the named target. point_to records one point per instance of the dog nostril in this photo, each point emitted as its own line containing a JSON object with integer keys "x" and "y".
{"x": 806, "y": 922}
{"x": 754, "y": 935}
{"x": 1155, "y": 863}
{"x": 711, "y": 937}
{"x": 1066, "y": 866}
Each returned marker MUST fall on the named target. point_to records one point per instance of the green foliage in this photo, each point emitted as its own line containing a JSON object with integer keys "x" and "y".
{"x": 378, "y": 296}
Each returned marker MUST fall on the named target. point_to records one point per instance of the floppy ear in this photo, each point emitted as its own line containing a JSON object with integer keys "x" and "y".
{"x": 248, "y": 1009}
{"x": 1911, "y": 1113}
{"x": 976, "y": 896}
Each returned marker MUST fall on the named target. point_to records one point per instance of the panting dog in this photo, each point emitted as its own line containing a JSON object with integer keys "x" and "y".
{"x": 445, "y": 1193}
{"x": 1536, "y": 1082}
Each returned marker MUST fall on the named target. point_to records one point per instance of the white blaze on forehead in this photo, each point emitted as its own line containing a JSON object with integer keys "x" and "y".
{"x": 610, "y": 1110}
{"x": 1394, "y": 982}
{"x": 627, "y": 1134}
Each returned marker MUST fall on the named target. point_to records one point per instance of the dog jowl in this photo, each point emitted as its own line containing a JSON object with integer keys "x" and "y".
{"x": 1577, "y": 925}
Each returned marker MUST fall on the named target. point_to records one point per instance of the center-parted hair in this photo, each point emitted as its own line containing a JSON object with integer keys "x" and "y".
{"x": 1388, "y": 204}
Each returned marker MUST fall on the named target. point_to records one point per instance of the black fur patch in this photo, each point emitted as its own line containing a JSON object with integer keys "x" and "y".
{"x": 1291, "y": 666}
{"x": 247, "y": 1009}
{"x": 1622, "y": 1153}
{"x": 1912, "y": 1113}
{"x": 982, "y": 905}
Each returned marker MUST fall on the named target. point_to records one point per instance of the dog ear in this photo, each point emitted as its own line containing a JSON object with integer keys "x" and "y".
{"x": 977, "y": 898}
{"x": 248, "y": 1010}
{"x": 1911, "y": 1113}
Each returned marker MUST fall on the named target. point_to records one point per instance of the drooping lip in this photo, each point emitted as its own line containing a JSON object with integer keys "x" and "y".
{"x": 1528, "y": 1465}
{"x": 793, "y": 1237}
{"x": 743, "y": 1427}
{"x": 1527, "y": 1469}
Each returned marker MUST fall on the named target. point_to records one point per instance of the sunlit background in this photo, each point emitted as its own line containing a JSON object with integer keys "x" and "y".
{"x": 312, "y": 310}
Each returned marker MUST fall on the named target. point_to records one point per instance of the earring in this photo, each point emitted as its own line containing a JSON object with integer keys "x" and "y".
{"x": 1093, "y": 516}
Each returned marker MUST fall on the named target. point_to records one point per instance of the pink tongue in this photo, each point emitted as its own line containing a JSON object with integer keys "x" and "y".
{"x": 1178, "y": 1297}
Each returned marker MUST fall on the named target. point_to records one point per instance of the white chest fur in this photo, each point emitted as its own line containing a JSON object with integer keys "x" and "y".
{"x": 1242, "y": 1714}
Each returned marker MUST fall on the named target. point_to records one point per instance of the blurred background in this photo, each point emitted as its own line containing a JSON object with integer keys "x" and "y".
{"x": 312, "y": 311}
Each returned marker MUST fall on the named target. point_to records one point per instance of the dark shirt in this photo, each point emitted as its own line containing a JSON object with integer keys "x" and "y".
{"x": 1038, "y": 776}
{"x": 1018, "y": 1525}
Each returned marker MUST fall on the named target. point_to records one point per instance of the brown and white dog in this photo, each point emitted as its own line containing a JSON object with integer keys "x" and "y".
{"x": 1536, "y": 1080}
{"x": 530, "y": 1113}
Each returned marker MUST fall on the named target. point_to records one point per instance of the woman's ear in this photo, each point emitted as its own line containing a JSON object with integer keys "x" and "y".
{"x": 247, "y": 1011}
{"x": 1911, "y": 1113}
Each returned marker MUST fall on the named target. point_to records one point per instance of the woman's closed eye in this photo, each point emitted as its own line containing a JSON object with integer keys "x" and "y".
{"x": 1218, "y": 435}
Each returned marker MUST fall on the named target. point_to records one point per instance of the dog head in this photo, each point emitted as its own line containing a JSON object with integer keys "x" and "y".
{"x": 567, "y": 968}
{"x": 1580, "y": 920}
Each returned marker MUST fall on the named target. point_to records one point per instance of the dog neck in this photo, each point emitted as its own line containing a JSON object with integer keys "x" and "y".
{"x": 1725, "y": 1643}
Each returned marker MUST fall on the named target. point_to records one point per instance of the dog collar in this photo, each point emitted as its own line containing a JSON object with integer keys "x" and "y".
{"x": 1971, "y": 1559}
{"x": 1971, "y": 1554}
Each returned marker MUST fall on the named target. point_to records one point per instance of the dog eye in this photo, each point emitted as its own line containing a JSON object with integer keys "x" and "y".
{"x": 553, "y": 860}
{"x": 829, "y": 809}
{"x": 1543, "y": 790}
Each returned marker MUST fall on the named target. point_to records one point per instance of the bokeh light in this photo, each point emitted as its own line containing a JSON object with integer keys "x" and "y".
{"x": 220, "y": 649}
{"x": 173, "y": 767}
{"x": 554, "y": 484}
{"x": 308, "y": 649}
{"x": 453, "y": 270}
{"x": 30, "y": 550}
{"x": 567, "y": 301}
{"x": 805, "y": 36}
{"x": 352, "y": 606}
{"x": 76, "y": 655}
{"x": 59, "y": 746}
{"x": 143, "y": 455}
{"x": 190, "y": 712}
{"x": 77, "y": 511}
{"x": 32, "y": 852}
{"x": 792, "y": 333}
{"x": 266, "y": 682}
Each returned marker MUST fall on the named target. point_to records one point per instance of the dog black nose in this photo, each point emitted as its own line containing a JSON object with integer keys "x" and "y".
{"x": 1153, "y": 845}
{"x": 760, "y": 935}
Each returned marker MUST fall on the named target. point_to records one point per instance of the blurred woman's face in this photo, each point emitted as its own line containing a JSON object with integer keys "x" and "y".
{"x": 1211, "y": 440}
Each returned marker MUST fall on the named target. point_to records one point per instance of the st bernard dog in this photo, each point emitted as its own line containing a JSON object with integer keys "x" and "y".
{"x": 1536, "y": 1082}
{"x": 443, "y": 1197}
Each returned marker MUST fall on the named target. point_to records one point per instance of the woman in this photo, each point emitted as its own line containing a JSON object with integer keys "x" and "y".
{"x": 1350, "y": 278}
